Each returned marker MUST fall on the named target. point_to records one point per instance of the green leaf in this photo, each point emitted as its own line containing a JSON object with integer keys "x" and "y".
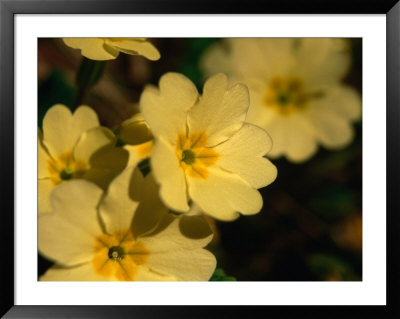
{"x": 219, "y": 275}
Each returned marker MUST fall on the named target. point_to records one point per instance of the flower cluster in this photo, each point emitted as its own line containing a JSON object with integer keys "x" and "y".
{"x": 131, "y": 203}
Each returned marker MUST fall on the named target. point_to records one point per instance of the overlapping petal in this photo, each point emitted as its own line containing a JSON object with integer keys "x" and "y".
{"x": 92, "y": 48}
{"x": 102, "y": 49}
{"x": 168, "y": 172}
{"x": 67, "y": 235}
{"x": 170, "y": 245}
{"x": 62, "y": 129}
{"x": 224, "y": 194}
{"x": 243, "y": 155}
{"x": 134, "y": 47}
{"x": 165, "y": 110}
{"x": 221, "y": 111}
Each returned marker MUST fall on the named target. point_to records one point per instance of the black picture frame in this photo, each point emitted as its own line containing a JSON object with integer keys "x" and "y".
{"x": 8, "y": 10}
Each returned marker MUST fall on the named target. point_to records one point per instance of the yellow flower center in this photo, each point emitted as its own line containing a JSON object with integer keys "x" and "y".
{"x": 118, "y": 255}
{"x": 65, "y": 167}
{"x": 287, "y": 95}
{"x": 193, "y": 154}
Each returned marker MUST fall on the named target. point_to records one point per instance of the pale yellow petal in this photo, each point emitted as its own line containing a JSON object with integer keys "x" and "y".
{"x": 342, "y": 100}
{"x": 61, "y": 129}
{"x": 92, "y": 48}
{"x": 332, "y": 130}
{"x": 243, "y": 154}
{"x": 120, "y": 202}
{"x": 83, "y": 272}
{"x": 259, "y": 114}
{"x": 137, "y": 153}
{"x": 169, "y": 174}
{"x": 92, "y": 141}
{"x": 135, "y": 46}
{"x": 135, "y": 130}
{"x": 221, "y": 111}
{"x": 165, "y": 110}
{"x": 67, "y": 235}
{"x": 45, "y": 187}
{"x": 223, "y": 194}
{"x": 293, "y": 136}
{"x": 105, "y": 164}
{"x": 77, "y": 201}
{"x": 258, "y": 57}
{"x": 150, "y": 210}
{"x": 43, "y": 158}
{"x": 144, "y": 273}
{"x": 215, "y": 59}
{"x": 132, "y": 201}
{"x": 322, "y": 61}
{"x": 173, "y": 253}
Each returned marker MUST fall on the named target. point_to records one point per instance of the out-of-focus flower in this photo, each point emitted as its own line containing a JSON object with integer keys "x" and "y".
{"x": 203, "y": 150}
{"x": 295, "y": 90}
{"x": 109, "y": 48}
{"x": 125, "y": 235}
{"x": 75, "y": 146}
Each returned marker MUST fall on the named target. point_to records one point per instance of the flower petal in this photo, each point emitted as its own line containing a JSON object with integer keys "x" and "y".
{"x": 322, "y": 61}
{"x": 92, "y": 141}
{"x": 135, "y": 130}
{"x": 172, "y": 253}
{"x": 62, "y": 130}
{"x": 165, "y": 110}
{"x": 92, "y": 48}
{"x": 83, "y": 272}
{"x": 343, "y": 100}
{"x": 242, "y": 155}
{"x": 132, "y": 201}
{"x": 292, "y": 136}
{"x": 120, "y": 202}
{"x": 168, "y": 172}
{"x": 223, "y": 194}
{"x": 43, "y": 157}
{"x": 45, "y": 187}
{"x": 68, "y": 234}
{"x": 135, "y": 46}
{"x": 331, "y": 129}
{"x": 221, "y": 111}
{"x": 137, "y": 153}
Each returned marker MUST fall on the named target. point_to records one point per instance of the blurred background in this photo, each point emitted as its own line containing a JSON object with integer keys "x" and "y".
{"x": 310, "y": 227}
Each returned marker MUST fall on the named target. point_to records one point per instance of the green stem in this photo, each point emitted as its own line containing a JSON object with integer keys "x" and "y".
{"x": 89, "y": 74}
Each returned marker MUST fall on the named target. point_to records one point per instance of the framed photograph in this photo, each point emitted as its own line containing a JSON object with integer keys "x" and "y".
{"x": 190, "y": 159}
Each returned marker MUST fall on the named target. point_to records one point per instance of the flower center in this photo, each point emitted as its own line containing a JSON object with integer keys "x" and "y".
{"x": 286, "y": 95}
{"x": 188, "y": 157}
{"x": 193, "y": 154}
{"x": 65, "y": 167}
{"x": 66, "y": 174}
{"x": 118, "y": 255}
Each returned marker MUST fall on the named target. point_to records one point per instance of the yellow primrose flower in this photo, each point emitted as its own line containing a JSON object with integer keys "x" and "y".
{"x": 109, "y": 48}
{"x": 75, "y": 146}
{"x": 203, "y": 150}
{"x": 295, "y": 90}
{"x": 125, "y": 235}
